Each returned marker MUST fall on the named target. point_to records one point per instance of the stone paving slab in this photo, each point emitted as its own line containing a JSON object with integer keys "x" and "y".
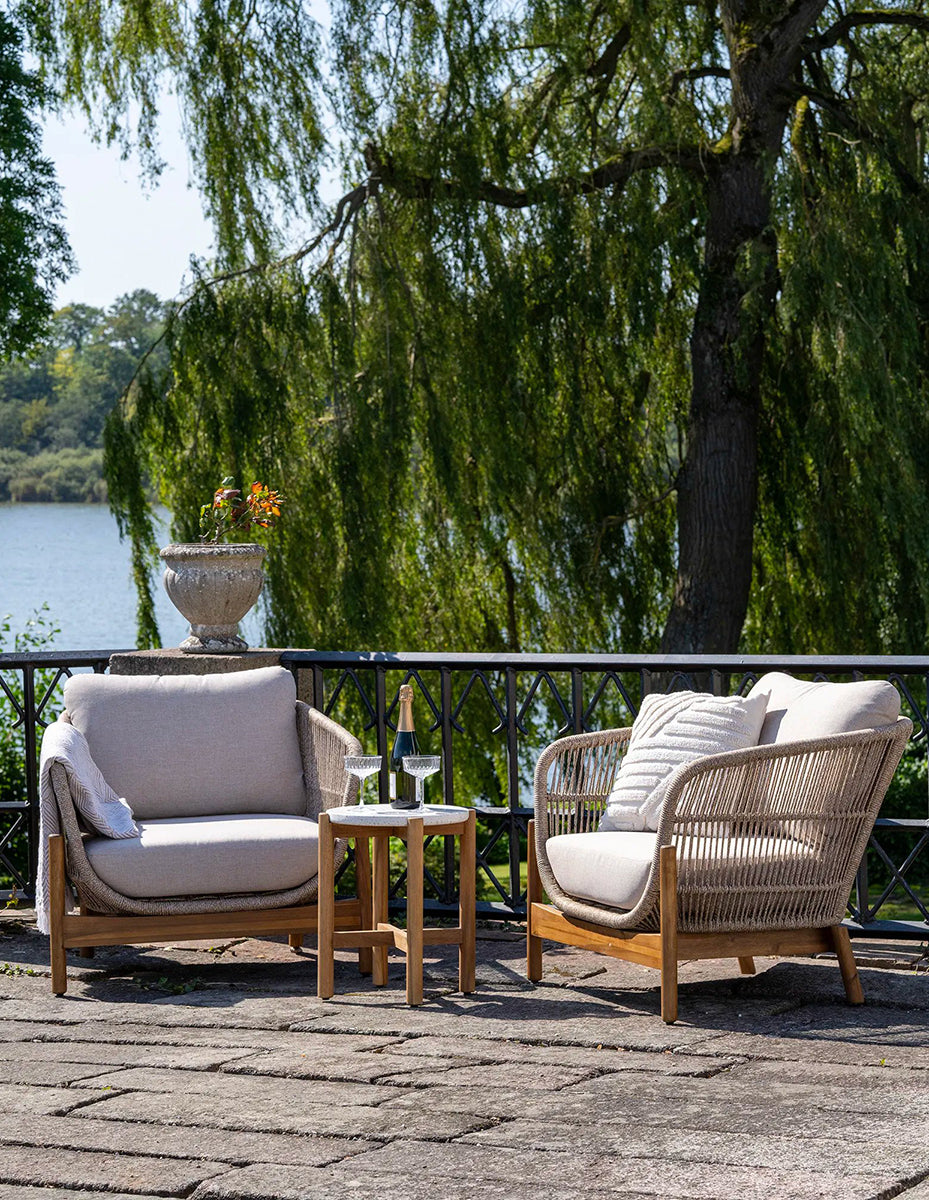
{"x": 194, "y": 1142}
{"x": 80, "y": 1055}
{"x": 213, "y": 1071}
{"x": 18, "y": 1191}
{"x": 237, "y": 1090}
{"x": 103, "y": 1172}
{"x": 792, "y": 1149}
{"x": 37, "y": 1099}
{"x": 600, "y": 1057}
{"x": 280, "y": 1183}
{"x": 316, "y": 1120}
{"x": 872, "y": 1035}
{"x": 609, "y": 1174}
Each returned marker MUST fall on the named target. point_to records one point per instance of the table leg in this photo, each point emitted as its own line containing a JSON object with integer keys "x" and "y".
{"x": 414, "y": 910}
{"x": 363, "y": 888}
{"x": 467, "y": 904}
{"x": 381, "y": 870}
{"x": 325, "y": 968}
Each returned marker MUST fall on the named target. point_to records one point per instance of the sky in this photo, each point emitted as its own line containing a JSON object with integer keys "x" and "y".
{"x": 124, "y": 235}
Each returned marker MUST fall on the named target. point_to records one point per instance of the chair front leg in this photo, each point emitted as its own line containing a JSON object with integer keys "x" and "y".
{"x": 57, "y": 892}
{"x": 325, "y": 908}
{"x": 533, "y": 896}
{"x": 667, "y": 893}
{"x": 847, "y": 964}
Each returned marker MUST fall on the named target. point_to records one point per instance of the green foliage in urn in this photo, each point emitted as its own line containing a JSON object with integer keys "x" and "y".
{"x": 230, "y": 513}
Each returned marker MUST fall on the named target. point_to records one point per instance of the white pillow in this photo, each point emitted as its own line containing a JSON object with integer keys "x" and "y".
{"x": 798, "y": 710}
{"x": 671, "y": 730}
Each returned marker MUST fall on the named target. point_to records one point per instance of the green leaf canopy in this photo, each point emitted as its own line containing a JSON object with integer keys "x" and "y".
{"x": 617, "y": 338}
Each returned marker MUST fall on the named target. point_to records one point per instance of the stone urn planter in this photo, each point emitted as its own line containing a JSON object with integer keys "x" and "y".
{"x": 213, "y": 587}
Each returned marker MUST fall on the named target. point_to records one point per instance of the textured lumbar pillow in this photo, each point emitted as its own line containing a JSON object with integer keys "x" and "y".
{"x": 668, "y": 732}
{"x": 798, "y": 710}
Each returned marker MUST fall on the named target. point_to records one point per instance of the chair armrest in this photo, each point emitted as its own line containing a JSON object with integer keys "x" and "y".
{"x": 573, "y": 779}
{"x": 786, "y": 781}
{"x": 772, "y": 836}
{"x": 323, "y": 746}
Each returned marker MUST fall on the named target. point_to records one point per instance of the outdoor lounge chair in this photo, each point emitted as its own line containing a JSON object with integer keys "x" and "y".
{"x": 225, "y": 776}
{"x": 752, "y": 850}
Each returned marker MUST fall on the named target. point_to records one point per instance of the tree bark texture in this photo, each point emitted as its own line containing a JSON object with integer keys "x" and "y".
{"x": 718, "y": 483}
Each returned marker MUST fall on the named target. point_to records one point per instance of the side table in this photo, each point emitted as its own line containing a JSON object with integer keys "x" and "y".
{"x": 379, "y": 823}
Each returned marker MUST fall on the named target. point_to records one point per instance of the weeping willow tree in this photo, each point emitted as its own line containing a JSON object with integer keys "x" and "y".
{"x": 616, "y": 338}
{"x": 34, "y": 252}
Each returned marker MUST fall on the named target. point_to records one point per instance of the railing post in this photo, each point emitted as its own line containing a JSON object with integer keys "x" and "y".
{"x": 577, "y": 699}
{"x": 32, "y": 771}
{"x": 861, "y": 889}
{"x": 380, "y": 712}
{"x": 448, "y": 782}
{"x": 512, "y": 770}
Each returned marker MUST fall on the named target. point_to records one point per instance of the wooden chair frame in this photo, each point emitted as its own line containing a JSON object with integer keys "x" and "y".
{"x": 107, "y": 918}
{"x": 86, "y": 930}
{"x": 822, "y": 795}
{"x": 665, "y": 949}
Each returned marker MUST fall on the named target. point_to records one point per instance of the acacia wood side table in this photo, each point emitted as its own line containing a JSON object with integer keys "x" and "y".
{"x": 379, "y": 823}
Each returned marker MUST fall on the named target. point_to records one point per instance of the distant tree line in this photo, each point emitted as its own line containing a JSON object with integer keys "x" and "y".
{"x": 55, "y": 398}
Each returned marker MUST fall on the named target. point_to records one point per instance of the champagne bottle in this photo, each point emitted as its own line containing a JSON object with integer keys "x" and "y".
{"x": 404, "y": 743}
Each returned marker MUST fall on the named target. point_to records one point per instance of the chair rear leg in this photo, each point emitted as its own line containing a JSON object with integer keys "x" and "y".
{"x": 86, "y": 951}
{"x": 295, "y": 940}
{"x": 847, "y": 964}
{"x": 668, "y": 909}
{"x": 746, "y": 964}
{"x": 57, "y": 887}
{"x": 533, "y": 896}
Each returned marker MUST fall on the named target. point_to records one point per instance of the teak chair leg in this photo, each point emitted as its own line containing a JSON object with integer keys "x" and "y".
{"x": 295, "y": 940}
{"x": 746, "y": 964}
{"x": 57, "y": 889}
{"x": 467, "y": 887}
{"x": 533, "y": 896}
{"x": 847, "y": 964}
{"x": 668, "y": 907}
{"x": 325, "y": 968}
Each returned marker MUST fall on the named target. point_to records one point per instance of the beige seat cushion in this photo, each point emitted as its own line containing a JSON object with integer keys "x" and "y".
{"x": 798, "y": 710}
{"x": 605, "y": 868}
{"x": 209, "y": 856}
{"x": 191, "y": 745}
{"x": 613, "y": 868}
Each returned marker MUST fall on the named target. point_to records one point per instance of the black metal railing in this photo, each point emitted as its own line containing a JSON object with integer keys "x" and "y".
{"x": 489, "y": 715}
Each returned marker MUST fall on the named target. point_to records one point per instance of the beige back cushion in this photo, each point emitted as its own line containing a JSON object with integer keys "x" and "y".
{"x": 798, "y": 710}
{"x": 194, "y": 745}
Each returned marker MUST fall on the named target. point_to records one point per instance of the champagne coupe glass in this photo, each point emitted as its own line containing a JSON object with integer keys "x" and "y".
{"x": 421, "y": 766}
{"x": 361, "y": 766}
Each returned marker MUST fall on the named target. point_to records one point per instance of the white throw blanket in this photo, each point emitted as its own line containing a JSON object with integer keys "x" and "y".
{"x": 93, "y": 797}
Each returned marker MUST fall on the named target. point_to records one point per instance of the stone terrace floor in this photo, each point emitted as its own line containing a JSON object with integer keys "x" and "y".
{"x": 213, "y": 1072}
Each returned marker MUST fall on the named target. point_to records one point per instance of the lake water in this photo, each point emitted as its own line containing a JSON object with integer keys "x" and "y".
{"x": 69, "y": 556}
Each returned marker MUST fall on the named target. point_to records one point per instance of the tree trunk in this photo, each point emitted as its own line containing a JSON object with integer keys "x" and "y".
{"x": 718, "y": 483}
